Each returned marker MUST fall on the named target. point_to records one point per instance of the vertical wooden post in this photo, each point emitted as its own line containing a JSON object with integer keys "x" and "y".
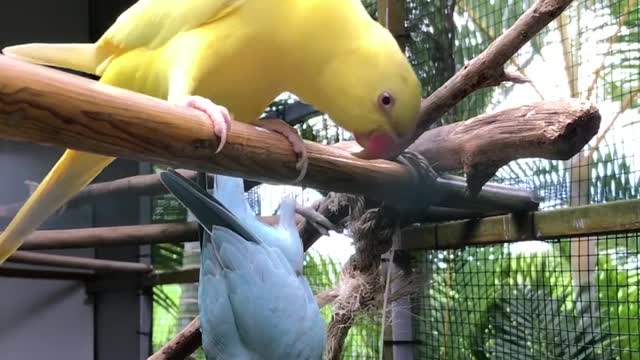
{"x": 392, "y": 14}
{"x": 583, "y": 249}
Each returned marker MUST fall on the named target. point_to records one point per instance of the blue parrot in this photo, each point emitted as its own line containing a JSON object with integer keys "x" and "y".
{"x": 254, "y": 301}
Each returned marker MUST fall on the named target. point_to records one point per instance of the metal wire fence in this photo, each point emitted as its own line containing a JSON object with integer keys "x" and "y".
{"x": 574, "y": 298}
{"x": 521, "y": 301}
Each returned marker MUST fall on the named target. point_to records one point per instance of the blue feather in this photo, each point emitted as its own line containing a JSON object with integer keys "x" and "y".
{"x": 254, "y": 301}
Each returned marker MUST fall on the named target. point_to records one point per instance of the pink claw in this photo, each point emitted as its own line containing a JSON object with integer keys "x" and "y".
{"x": 294, "y": 138}
{"x": 219, "y": 116}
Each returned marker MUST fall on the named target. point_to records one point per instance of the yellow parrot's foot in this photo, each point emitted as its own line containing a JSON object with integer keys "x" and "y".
{"x": 294, "y": 138}
{"x": 219, "y": 115}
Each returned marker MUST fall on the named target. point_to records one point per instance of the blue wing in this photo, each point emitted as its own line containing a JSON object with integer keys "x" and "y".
{"x": 254, "y": 301}
{"x": 207, "y": 209}
{"x": 228, "y": 207}
{"x": 274, "y": 312}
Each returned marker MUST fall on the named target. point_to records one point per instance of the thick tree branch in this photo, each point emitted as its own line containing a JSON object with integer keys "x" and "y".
{"x": 555, "y": 130}
{"x": 552, "y": 130}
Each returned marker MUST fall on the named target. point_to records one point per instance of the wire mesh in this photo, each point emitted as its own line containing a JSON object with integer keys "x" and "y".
{"x": 574, "y": 298}
{"x": 522, "y": 301}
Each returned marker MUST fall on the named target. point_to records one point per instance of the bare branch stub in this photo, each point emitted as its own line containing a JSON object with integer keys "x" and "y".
{"x": 554, "y": 130}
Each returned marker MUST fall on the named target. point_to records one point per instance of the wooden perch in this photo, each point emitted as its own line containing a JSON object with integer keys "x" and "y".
{"x": 75, "y": 262}
{"x": 40, "y": 274}
{"x": 139, "y": 185}
{"x": 555, "y": 130}
{"x": 111, "y": 236}
{"x": 119, "y": 235}
{"x": 47, "y": 106}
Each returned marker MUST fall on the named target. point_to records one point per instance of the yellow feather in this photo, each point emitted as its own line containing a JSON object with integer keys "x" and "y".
{"x": 80, "y": 57}
{"x": 151, "y": 23}
{"x": 241, "y": 54}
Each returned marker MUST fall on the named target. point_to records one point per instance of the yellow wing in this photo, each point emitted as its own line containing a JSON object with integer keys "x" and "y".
{"x": 147, "y": 24}
{"x": 151, "y": 23}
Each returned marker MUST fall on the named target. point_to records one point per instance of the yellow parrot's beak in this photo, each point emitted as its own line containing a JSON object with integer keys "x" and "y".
{"x": 377, "y": 144}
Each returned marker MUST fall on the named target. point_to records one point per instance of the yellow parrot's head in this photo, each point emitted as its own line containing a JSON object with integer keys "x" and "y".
{"x": 372, "y": 91}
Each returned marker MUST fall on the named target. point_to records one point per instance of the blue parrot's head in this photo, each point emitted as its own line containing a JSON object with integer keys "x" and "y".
{"x": 229, "y": 208}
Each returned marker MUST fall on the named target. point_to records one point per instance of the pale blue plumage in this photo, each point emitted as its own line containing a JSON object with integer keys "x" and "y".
{"x": 254, "y": 301}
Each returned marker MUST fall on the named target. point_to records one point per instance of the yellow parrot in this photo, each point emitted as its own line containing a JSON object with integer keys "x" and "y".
{"x": 242, "y": 54}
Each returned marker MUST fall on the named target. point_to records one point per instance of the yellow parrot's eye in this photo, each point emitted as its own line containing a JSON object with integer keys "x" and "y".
{"x": 385, "y": 100}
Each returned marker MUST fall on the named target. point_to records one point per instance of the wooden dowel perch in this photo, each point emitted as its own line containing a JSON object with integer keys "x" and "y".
{"x": 111, "y": 236}
{"x": 74, "y": 262}
{"x": 47, "y": 106}
{"x": 119, "y": 235}
{"x": 44, "y": 274}
{"x": 139, "y": 185}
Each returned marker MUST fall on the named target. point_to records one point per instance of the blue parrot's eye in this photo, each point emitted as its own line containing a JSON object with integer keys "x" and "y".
{"x": 385, "y": 100}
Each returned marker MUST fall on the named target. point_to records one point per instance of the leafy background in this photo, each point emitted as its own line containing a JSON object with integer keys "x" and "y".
{"x": 544, "y": 300}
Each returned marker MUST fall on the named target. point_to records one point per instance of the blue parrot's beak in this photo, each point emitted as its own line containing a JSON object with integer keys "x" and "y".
{"x": 208, "y": 210}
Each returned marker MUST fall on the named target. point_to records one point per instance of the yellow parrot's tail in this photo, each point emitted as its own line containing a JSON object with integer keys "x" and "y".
{"x": 74, "y": 171}
{"x": 87, "y": 58}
